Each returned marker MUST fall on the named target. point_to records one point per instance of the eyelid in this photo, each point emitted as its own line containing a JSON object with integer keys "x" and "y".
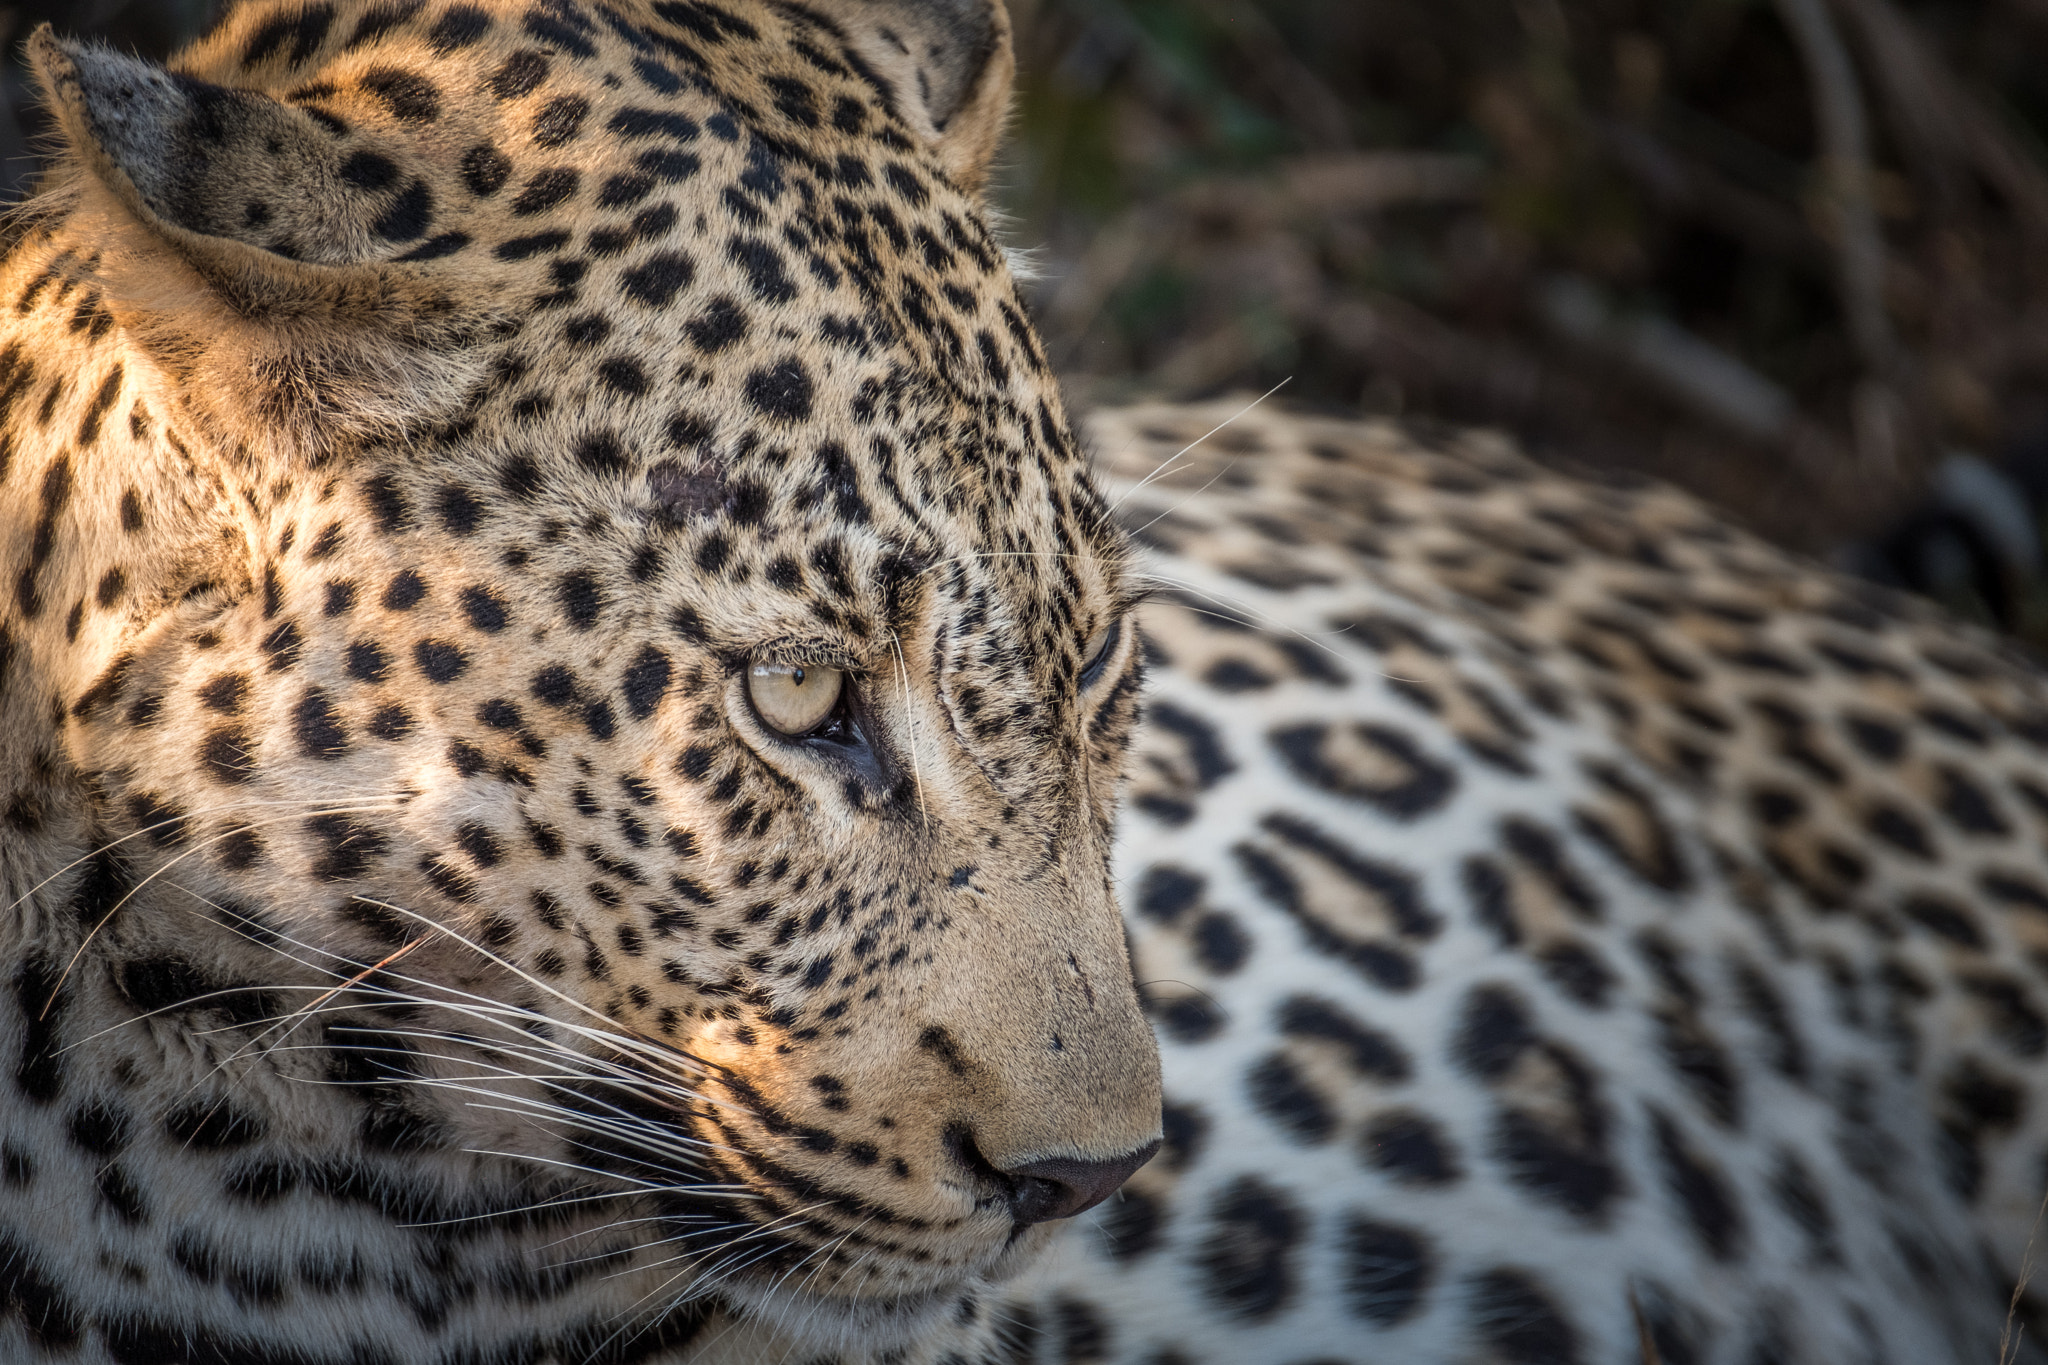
{"x": 1129, "y": 599}
{"x": 800, "y": 653}
{"x": 1113, "y": 631}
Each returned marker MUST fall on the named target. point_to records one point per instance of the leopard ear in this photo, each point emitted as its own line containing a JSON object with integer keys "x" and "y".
{"x": 949, "y": 66}
{"x": 257, "y": 255}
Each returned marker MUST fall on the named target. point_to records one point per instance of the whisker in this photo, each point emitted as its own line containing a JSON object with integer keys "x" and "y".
{"x": 187, "y": 818}
{"x": 1167, "y": 463}
{"x": 128, "y": 896}
{"x": 910, "y": 719}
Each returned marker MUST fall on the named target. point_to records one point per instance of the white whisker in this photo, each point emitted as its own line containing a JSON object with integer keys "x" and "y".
{"x": 1167, "y": 464}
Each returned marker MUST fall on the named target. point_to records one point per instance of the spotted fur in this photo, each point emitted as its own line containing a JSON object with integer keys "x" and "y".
{"x": 419, "y": 417}
{"x": 1567, "y": 922}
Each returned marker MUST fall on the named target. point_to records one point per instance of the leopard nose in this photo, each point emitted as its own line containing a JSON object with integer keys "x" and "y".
{"x": 1062, "y": 1187}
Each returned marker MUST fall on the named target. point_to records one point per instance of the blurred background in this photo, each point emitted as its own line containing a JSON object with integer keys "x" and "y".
{"x": 1791, "y": 254}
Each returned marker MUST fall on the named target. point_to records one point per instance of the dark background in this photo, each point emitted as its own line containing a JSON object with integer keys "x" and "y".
{"x": 1792, "y": 254}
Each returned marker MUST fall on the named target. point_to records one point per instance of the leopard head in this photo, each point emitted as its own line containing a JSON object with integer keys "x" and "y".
{"x": 545, "y": 530}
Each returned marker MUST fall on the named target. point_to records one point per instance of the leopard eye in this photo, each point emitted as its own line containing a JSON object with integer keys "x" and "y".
{"x": 1101, "y": 645}
{"x": 794, "y": 699}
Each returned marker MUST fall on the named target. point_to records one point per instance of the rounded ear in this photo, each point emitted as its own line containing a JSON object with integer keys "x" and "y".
{"x": 948, "y": 65}
{"x": 251, "y": 252}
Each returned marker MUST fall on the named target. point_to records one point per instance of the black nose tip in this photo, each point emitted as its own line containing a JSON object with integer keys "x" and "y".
{"x": 1062, "y": 1187}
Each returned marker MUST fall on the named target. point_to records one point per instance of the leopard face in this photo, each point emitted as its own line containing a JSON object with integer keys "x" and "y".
{"x": 548, "y": 556}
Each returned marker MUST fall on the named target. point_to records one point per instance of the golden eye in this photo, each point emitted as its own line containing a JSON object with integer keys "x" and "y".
{"x": 794, "y": 699}
{"x": 1096, "y": 652}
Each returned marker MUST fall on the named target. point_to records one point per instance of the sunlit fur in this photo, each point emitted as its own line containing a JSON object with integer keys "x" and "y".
{"x": 416, "y": 418}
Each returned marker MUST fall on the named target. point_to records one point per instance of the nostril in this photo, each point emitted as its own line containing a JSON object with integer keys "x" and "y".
{"x": 1062, "y": 1187}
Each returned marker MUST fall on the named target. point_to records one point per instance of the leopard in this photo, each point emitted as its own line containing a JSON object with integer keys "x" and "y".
{"x": 594, "y": 770}
{"x": 1577, "y": 930}
{"x": 564, "y": 692}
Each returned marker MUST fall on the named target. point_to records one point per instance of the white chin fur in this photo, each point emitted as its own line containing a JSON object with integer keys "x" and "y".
{"x": 815, "y": 1322}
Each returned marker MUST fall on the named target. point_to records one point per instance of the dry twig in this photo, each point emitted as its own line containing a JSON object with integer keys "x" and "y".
{"x": 1859, "y": 245}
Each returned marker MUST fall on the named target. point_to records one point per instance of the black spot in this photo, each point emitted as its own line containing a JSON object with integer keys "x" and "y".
{"x": 96, "y": 410}
{"x": 212, "y": 1126}
{"x": 405, "y": 590}
{"x": 587, "y": 330}
{"x": 908, "y": 183}
{"x": 561, "y": 27}
{"x": 227, "y": 755}
{"x": 1280, "y": 1092}
{"x": 98, "y": 1129}
{"x": 560, "y": 120}
{"x": 366, "y": 662}
{"x": 1578, "y": 971}
{"x": 1189, "y": 1018}
{"x": 1879, "y": 738}
{"x": 546, "y": 190}
{"x": 410, "y": 97}
{"x": 618, "y": 191}
{"x": 225, "y": 694}
{"x": 460, "y": 509}
{"x": 39, "y": 1004}
{"x": 781, "y": 392}
{"x": 1511, "y": 1312}
{"x": 317, "y": 726}
{"x": 642, "y": 123}
{"x": 1702, "y": 1062}
{"x": 439, "y": 661}
{"x": 458, "y": 28}
{"x": 480, "y": 844}
{"x": 657, "y": 279}
{"x": 1247, "y": 1254}
{"x": 163, "y": 822}
{"x": 1901, "y": 830}
{"x": 380, "y": 20}
{"x": 1387, "y": 1270}
{"x": 238, "y": 850}
{"x": 521, "y": 74}
{"x": 303, "y": 31}
{"x": 657, "y": 77}
{"x": 1702, "y": 1192}
{"x": 555, "y": 685}
{"x": 645, "y": 682}
{"x": 1969, "y": 805}
{"x": 600, "y": 451}
{"x": 1944, "y": 918}
{"x": 581, "y": 598}
{"x": 670, "y": 168}
{"x": 368, "y": 171}
{"x": 721, "y": 324}
{"x": 119, "y": 1194}
{"x": 623, "y": 377}
{"x": 485, "y": 170}
{"x": 484, "y": 608}
{"x": 1166, "y": 892}
{"x": 764, "y": 267}
{"x": 1131, "y": 1224}
{"x": 1411, "y": 1148}
{"x": 390, "y": 722}
{"x": 1219, "y": 943}
{"x": 1799, "y": 1195}
{"x": 348, "y": 846}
